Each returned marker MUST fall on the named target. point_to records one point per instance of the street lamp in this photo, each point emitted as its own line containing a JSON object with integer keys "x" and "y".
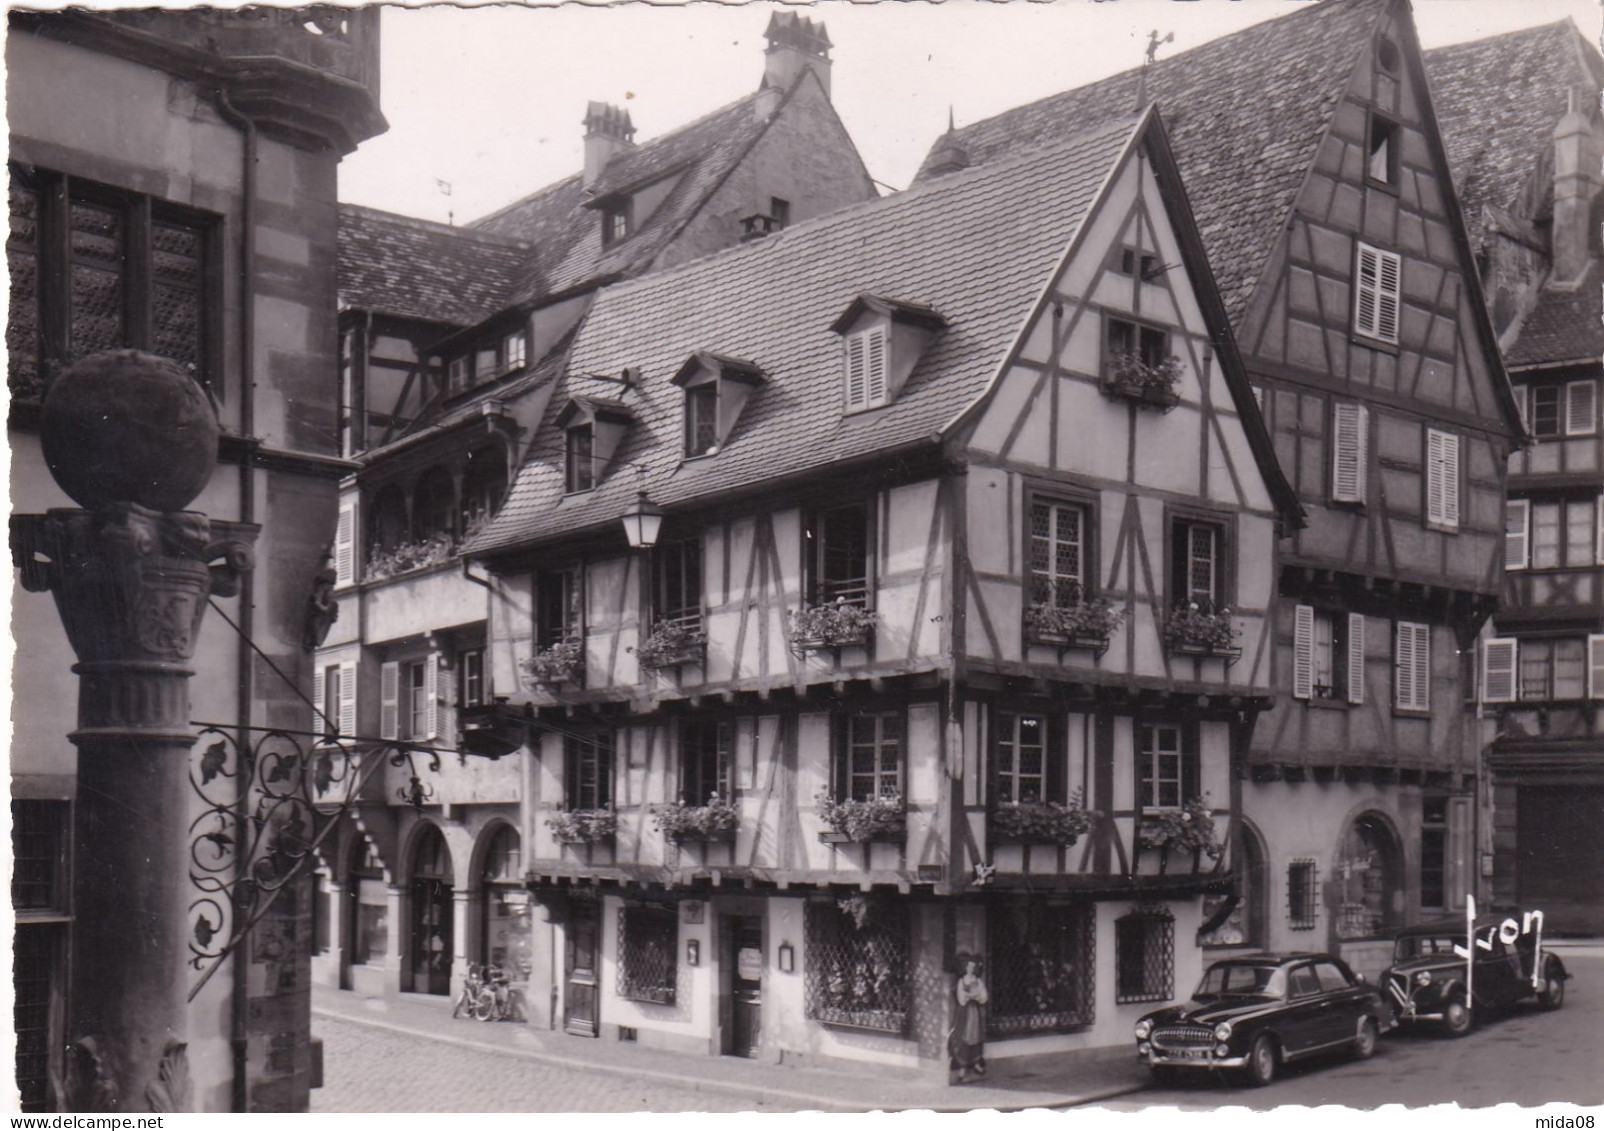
{"x": 642, "y": 521}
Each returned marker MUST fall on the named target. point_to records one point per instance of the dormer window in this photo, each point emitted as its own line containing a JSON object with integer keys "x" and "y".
{"x": 515, "y": 351}
{"x": 882, "y": 340}
{"x": 484, "y": 362}
{"x": 615, "y": 222}
{"x": 581, "y": 461}
{"x": 716, "y": 390}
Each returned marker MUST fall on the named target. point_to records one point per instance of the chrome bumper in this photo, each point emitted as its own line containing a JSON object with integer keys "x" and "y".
{"x": 1157, "y": 1059}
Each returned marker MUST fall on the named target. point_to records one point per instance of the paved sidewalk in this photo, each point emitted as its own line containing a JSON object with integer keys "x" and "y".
{"x": 1029, "y": 1082}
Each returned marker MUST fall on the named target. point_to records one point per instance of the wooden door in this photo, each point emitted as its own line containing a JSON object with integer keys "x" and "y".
{"x": 580, "y": 963}
{"x": 431, "y": 937}
{"x": 745, "y": 960}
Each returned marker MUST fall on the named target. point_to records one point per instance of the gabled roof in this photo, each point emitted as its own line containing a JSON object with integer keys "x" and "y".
{"x": 419, "y": 269}
{"x": 1498, "y": 100}
{"x": 1244, "y": 114}
{"x": 1003, "y": 230}
{"x": 1566, "y": 326}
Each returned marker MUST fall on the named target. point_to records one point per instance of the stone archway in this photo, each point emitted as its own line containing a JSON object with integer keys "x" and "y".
{"x": 1367, "y": 881}
{"x": 431, "y": 921}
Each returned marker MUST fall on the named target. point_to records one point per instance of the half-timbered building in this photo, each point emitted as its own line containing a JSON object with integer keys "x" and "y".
{"x": 450, "y": 339}
{"x": 948, "y": 640}
{"x": 1324, "y": 199}
{"x": 1528, "y": 178}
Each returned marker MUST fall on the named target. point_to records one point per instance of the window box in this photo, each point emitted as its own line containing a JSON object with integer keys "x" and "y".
{"x": 1086, "y": 624}
{"x": 1187, "y": 829}
{"x": 563, "y": 662}
{"x": 713, "y": 823}
{"x": 1041, "y": 822}
{"x": 856, "y": 822}
{"x": 1154, "y": 384}
{"x": 671, "y": 643}
{"x": 583, "y": 826}
{"x": 1194, "y": 630}
{"x": 408, "y": 556}
{"x": 840, "y": 625}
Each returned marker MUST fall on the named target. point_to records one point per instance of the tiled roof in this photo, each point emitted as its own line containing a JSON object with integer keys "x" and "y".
{"x": 1566, "y": 325}
{"x": 419, "y": 269}
{"x": 1002, "y": 229}
{"x": 1497, "y": 102}
{"x": 567, "y": 233}
{"x": 1244, "y": 114}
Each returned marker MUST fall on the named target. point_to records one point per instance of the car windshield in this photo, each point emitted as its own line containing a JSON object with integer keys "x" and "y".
{"x": 1230, "y": 978}
{"x": 1420, "y": 946}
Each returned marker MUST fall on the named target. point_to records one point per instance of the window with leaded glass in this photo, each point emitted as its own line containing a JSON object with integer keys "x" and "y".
{"x": 38, "y": 855}
{"x": 701, "y": 419}
{"x": 1042, "y": 977}
{"x": 1058, "y": 558}
{"x": 1167, "y": 761}
{"x": 580, "y": 456}
{"x": 1144, "y": 956}
{"x": 648, "y": 953}
{"x": 858, "y": 963}
{"x": 1020, "y": 757}
{"x": 130, "y": 272}
{"x": 588, "y": 763}
{"x": 837, "y": 546}
{"x": 677, "y": 582}
{"x": 1197, "y": 564}
{"x": 870, "y": 755}
{"x": 557, "y": 607}
{"x": 704, "y": 750}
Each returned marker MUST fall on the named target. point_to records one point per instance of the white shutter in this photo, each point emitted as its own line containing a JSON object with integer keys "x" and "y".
{"x": 857, "y": 394}
{"x": 1403, "y": 665}
{"x": 1517, "y": 533}
{"x": 1598, "y": 519}
{"x": 1498, "y": 666}
{"x": 431, "y": 696}
{"x": 1366, "y": 292}
{"x": 1356, "y": 657}
{"x": 1423, "y": 666}
{"x": 1379, "y": 277}
{"x": 1442, "y": 478}
{"x": 1413, "y": 666}
{"x": 1581, "y": 408}
{"x": 348, "y": 699}
{"x": 1595, "y": 666}
{"x": 877, "y": 365}
{"x": 345, "y": 547}
{"x": 1350, "y": 428}
{"x": 389, "y": 700}
{"x": 1303, "y": 653}
{"x": 319, "y": 708}
{"x": 1389, "y": 296}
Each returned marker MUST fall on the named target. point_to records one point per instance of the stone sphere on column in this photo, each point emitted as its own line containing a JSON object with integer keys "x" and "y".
{"x": 129, "y": 427}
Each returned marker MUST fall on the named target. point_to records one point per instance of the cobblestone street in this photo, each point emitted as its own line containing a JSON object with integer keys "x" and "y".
{"x": 376, "y": 1070}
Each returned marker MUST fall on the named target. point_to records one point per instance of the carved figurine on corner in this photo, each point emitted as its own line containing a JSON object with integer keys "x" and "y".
{"x": 322, "y": 610}
{"x": 967, "y": 1040}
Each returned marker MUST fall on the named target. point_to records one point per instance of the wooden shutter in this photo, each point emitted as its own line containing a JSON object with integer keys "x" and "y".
{"x": 857, "y": 376}
{"x": 877, "y": 365}
{"x": 1517, "y": 533}
{"x": 1595, "y": 666}
{"x": 1412, "y": 667}
{"x": 348, "y": 699}
{"x": 1367, "y": 293}
{"x": 1379, "y": 275}
{"x": 1389, "y": 297}
{"x": 345, "y": 547}
{"x": 1442, "y": 478}
{"x": 1303, "y": 653}
{"x": 320, "y": 709}
{"x": 1350, "y": 435}
{"x": 431, "y": 695}
{"x": 1498, "y": 667}
{"x": 1356, "y": 657}
{"x": 1581, "y": 408}
{"x": 389, "y": 700}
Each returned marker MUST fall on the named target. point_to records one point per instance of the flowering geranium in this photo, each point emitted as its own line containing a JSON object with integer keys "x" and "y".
{"x": 558, "y": 664}
{"x": 409, "y": 556}
{"x": 1086, "y": 619}
{"x": 1047, "y": 822}
{"x": 882, "y": 816}
{"x": 583, "y": 826}
{"x": 679, "y": 821}
{"x": 1196, "y": 626}
{"x": 669, "y": 643}
{"x": 831, "y": 625}
{"x": 1189, "y": 828}
{"x": 1155, "y": 381}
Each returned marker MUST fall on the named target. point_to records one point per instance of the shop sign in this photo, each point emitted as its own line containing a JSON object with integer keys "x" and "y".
{"x": 749, "y": 964}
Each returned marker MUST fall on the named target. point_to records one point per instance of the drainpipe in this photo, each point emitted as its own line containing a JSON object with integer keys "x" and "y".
{"x": 239, "y": 1012}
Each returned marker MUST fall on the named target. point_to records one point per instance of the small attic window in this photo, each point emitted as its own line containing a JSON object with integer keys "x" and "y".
{"x": 1133, "y": 262}
{"x": 615, "y": 222}
{"x": 515, "y": 351}
{"x": 1382, "y": 164}
{"x": 882, "y": 340}
{"x": 716, "y": 390}
{"x": 701, "y": 420}
{"x": 459, "y": 373}
{"x": 1387, "y": 56}
{"x": 580, "y": 474}
{"x": 866, "y": 368}
{"x": 780, "y": 211}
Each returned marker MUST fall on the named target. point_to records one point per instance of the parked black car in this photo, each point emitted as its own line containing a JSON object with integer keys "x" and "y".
{"x": 1261, "y": 1011}
{"x": 1427, "y": 980}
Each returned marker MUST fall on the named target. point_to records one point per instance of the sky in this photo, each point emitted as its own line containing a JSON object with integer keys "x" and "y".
{"x": 486, "y": 101}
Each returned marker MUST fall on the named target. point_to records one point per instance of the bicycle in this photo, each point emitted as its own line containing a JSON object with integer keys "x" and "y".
{"x": 496, "y": 999}
{"x": 468, "y": 999}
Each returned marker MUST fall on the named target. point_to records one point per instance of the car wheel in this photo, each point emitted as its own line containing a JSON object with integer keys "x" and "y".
{"x": 1262, "y": 1061}
{"x": 1364, "y": 1045}
{"x": 1456, "y": 1018}
{"x": 1552, "y": 995}
{"x": 484, "y": 1008}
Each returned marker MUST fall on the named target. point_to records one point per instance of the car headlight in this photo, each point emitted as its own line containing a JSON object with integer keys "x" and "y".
{"x": 1423, "y": 978}
{"x": 1222, "y": 1031}
{"x": 1143, "y": 1028}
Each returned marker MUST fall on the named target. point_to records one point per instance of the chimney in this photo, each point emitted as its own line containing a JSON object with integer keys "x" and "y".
{"x": 796, "y": 44}
{"x": 607, "y": 131}
{"x": 1577, "y": 153}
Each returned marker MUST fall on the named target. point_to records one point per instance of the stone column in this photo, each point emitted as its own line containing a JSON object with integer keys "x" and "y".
{"x": 133, "y": 439}
{"x": 463, "y": 906}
